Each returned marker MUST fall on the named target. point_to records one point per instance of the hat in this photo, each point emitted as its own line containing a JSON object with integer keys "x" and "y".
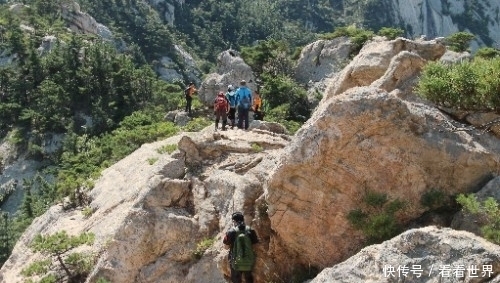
{"x": 220, "y": 93}
{"x": 238, "y": 217}
{"x": 243, "y": 82}
{"x": 230, "y": 87}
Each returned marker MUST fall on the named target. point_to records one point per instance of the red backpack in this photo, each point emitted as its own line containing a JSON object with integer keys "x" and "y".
{"x": 220, "y": 103}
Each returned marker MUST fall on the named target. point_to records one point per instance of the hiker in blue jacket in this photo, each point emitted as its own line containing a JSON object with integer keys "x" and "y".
{"x": 230, "y": 238}
{"x": 243, "y": 104}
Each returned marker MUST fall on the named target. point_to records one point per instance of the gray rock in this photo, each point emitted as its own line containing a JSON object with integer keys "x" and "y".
{"x": 421, "y": 256}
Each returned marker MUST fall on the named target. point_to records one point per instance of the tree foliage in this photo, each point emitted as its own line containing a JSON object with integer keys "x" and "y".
{"x": 468, "y": 85}
{"x": 488, "y": 210}
{"x": 376, "y": 217}
{"x": 460, "y": 41}
{"x": 75, "y": 265}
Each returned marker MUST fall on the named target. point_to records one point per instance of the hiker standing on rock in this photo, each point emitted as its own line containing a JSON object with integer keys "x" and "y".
{"x": 231, "y": 97}
{"x": 189, "y": 92}
{"x": 221, "y": 108}
{"x": 257, "y": 106}
{"x": 243, "y": 103}
{"x": 240, "y": 239}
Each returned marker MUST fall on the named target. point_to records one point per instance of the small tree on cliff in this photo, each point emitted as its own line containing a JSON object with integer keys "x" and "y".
{"x": 75, "y": 265}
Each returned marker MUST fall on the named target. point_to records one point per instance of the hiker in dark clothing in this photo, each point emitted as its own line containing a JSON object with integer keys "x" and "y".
{"x": 230, "y": 238}
{"x": 189, "y": 92}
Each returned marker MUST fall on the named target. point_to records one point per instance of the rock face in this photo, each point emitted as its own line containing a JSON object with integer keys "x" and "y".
{"x": 48, "y": 42}
{"x": 434, "y": 18}
{"x": 422, "y": 255}
{"x": 321, "y": 59}
{"x": 169, "y": 70}
{"x": 231, "y": 69}
{"x": 378, "y": 138}
{"x": 319, "y": 62}
{"x": 393, "y": 59}
{"x": 83, "y": 22}
{"x": 152, "y": 209}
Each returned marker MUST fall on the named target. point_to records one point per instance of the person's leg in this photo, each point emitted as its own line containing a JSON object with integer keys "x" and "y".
{"x": 248, "y": 276}
{"x": 216, "y": 122}
{"x": 235, "y": 276}
{"x": 246, "y": 119}
{"x": 232, "y": 116}
{"x": 240, "y": 118}
{"x": 224, "y": 120}
{"x": 188, "y": 105}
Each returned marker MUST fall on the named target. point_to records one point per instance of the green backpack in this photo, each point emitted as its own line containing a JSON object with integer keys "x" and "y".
{"x": 243, "y": 257}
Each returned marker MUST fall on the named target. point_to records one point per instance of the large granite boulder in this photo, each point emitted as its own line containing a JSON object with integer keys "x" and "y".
{"x": 231, "y": 69}
{"x": 421, "y": 256}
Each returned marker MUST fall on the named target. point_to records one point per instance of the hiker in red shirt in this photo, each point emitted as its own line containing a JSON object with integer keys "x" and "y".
{"x": 221, "y": 108}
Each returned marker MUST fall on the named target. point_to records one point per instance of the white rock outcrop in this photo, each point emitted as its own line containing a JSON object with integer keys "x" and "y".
{"x": 83, "y": 22}
{"x": 231, "y": 69}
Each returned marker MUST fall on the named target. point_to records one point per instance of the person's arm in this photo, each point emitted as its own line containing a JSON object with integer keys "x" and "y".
{"x": 253, "y": 236}
{"x": 228, "y": 238}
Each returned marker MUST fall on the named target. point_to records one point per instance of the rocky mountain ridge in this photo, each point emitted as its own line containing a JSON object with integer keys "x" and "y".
{"x": 369, "y": 133}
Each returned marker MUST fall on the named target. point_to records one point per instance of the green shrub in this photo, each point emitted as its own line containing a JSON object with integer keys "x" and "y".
{"x": 357, "y": 36}
{"x": 168, "y": 148}
{"x": 487, "y": 53}
{"x": 87, "y": 211}
{"x": 39, "y": 267}
{"x": 460, "y": 41}
{"x": 488, "y": 210}
{"x": 375, "y": 199}
{"x": 256, "y": 147}
{"x": 57, "y": 246}
{"x": 468, "y": 85}
{"x": 377, "y": 217}
{"x": 152, "y": 160}
{"x": 202, "y": 246}
{"x": 433, "y": 199}
{"x": 391, "y": 33}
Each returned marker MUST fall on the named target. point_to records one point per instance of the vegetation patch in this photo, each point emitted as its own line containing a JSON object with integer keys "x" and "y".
{"x": 75, "y": 266}
{"x": 377, "y": 217}
{"x": 488, "y": 210}
{"x": 202, "y": 246}
{"x": 469, "y": 85}
{"x": 152, "y": 160}
{"x": 257, "y": 147}
{"x": 357, "y": 36}
{"x": 168, "y": 148}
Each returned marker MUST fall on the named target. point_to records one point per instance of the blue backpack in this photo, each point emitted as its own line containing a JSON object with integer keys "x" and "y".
{"x": 231, "y": 97}
{"x": 245, "y": 99}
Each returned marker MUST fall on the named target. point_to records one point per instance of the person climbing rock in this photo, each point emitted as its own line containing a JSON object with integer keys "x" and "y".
{"x": 231, "y": 97}
{"x": 243, "y": 104}
{"x": 189, "y": 92}
{"x": 221, "y": 108}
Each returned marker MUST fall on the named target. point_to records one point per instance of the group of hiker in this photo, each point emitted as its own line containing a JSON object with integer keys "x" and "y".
{"x": 234, "y": 105}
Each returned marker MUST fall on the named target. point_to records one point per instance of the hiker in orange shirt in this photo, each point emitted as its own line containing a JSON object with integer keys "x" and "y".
{"x": 189, "y": 92}
{"x": 257, "y": 106}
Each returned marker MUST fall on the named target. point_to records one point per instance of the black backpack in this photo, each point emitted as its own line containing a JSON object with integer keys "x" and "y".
{"x": 186, "y": 92}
